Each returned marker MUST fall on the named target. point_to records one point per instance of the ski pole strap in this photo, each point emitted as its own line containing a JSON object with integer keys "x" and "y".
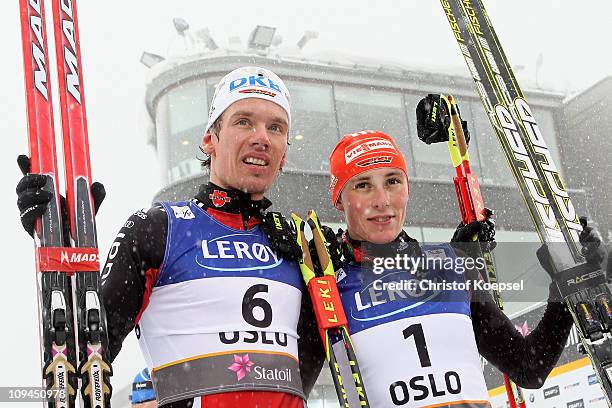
{"x": 458, "y": 127}
{"x": 321, "y": 245}
{"x": 304, "y": 259}
{"x": 67, "y": 259}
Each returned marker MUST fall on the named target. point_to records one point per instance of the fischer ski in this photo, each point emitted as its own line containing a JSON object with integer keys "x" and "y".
{"x": 583, "y": 286}
{"x": 328, "y": 307}
{"x": 470, "y": 200}
{"x": 72, "y": 324}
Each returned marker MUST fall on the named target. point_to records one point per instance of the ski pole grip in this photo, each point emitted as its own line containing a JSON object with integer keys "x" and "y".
{"x": 457, "y": 125}
{"x": 326, "y": 302}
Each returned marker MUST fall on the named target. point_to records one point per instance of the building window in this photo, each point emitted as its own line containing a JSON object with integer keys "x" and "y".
{"x": 370, "y": 109}
{"x": 495, "y": 169}
{"x": 181, "y": 118}
{"x": 314, "y": 131}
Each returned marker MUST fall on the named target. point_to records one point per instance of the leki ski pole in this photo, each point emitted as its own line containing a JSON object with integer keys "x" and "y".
{"x": 328, "y": 307}
{"x": 469, "y": 197}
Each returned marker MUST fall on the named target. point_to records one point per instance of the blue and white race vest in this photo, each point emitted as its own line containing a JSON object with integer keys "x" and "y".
{"x": 223, "y": 312}
{"x": 415, "y": 344}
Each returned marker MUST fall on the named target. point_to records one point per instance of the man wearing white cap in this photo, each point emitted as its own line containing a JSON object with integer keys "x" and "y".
{"x": 212, "y": 291}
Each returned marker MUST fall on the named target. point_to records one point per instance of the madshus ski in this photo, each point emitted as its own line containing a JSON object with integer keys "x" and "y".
{"x": 544, "y": 193}
{"x": 72, "y": 320}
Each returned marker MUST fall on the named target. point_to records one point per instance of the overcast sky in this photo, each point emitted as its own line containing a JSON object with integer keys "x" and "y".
{"x": 572, "y": 38}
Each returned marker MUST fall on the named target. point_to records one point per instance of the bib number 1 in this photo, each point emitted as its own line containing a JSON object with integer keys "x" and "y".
{"x": 416, "y": 330}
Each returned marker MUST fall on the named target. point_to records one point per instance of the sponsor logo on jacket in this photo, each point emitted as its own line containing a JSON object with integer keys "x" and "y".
{"x": 183, "y": 212}
{"x": 236, "y": 252}
{"x": 576, "y": 404}
{"x": 551, "y": 392}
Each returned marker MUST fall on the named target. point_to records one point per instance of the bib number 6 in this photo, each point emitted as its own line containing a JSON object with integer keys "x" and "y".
{"x": 250, "y": 303}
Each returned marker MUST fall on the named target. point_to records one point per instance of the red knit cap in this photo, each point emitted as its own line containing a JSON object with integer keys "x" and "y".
{"x": 359, "y": 152}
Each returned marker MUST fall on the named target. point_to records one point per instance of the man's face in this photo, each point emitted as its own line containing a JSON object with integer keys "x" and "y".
{"x": 250, "y": 148}
{"x": 374, "y": 205}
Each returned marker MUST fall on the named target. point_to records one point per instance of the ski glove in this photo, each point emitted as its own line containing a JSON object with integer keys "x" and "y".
{"x": 282, "y": 235}
{"x": 592, "y": 249}
{"x": 483, "y": 230}
{"x": 32, "y": 200}
{"x": 433, "y": 120}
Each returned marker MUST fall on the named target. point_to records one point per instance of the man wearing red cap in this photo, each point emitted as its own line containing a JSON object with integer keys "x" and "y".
{"x": 418, "y": 346}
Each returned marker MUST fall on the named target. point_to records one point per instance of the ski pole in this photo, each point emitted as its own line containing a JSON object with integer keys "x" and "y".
{"x": 328, "y": 307}
{"x": 471, "y": 204}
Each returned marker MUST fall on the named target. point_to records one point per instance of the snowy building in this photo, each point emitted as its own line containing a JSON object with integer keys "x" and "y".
{"x": 337, "y": 94}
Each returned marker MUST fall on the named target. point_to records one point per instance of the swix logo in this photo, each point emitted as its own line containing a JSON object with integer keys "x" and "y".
{"x": 254, "y": 80}
{"x": 529, "y": 174}
{"x": 76, "y": 257}
{"x": 73, "y": 82}
{"x": 38, "y": 50}
{"x": 367, "y": 146}
{"x": 219, "y": 198}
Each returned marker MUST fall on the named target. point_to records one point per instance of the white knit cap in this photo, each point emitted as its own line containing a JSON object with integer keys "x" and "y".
{"x": 248, "y": 82}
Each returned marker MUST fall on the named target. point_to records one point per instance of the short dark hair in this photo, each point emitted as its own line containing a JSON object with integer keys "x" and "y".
{"x": 215, "y": 128}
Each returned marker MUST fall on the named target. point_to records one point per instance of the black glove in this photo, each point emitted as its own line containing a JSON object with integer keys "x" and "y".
{"x": 32, "y": 200}
{"x": 282, "y": 235}
{"x": 433, "y": 120}
{"x": 592, "y": 249}
{"x": 484, "y": 230}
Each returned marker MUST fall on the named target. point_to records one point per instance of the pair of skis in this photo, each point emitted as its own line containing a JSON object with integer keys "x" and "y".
{"x": 583, "y": 286}
{"x": 328, "y": 308}
{"x": 72, "y": 319}
{"x": 472, "y": 208}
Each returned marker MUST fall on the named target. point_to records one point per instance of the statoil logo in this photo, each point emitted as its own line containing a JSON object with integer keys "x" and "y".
{"x": 243, "y": 367}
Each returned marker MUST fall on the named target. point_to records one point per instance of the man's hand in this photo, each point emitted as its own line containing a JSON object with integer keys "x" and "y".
{"x": 434, "y": 119}
{"x": 33, "y": 201}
